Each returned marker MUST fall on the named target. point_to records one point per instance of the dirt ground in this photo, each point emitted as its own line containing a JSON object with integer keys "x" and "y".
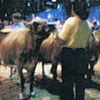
{"x": 45, "y": 90}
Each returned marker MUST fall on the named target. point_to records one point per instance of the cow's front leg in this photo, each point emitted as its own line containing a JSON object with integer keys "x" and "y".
{"x": 22, "y": 81}
{"x": 32, "y": 93}
{"x": 13, "y": 70}
{"x": 54, "y": 70}
{"x": 32, "y": 68}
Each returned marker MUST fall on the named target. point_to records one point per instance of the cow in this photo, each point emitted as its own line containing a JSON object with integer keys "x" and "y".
{"x": 49, "y": 52}
{"x": 21, "y": 46}
{"x": 93, "y": 51}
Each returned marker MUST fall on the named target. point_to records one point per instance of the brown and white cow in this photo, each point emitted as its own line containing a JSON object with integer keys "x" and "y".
{"x": 49, "y": 52}
{"x": 20, "y": 47}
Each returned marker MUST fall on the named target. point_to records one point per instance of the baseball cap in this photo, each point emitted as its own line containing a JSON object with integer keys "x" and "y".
{"x": 17, "y": 15}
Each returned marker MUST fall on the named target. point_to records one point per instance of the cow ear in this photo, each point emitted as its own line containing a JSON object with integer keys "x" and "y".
{"x": 27, "y": 24}
{"x": 37, "y": 26}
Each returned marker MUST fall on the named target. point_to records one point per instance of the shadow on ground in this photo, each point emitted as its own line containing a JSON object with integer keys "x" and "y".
{"x": 54, "y": 87}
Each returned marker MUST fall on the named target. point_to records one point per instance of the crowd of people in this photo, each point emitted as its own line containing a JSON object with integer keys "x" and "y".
{"x": 74, "y": 35}
{"x": 16, "y": 22}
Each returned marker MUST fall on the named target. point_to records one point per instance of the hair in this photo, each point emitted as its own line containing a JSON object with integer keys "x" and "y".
{"x": 81, "y": 9}
{"x": 17, "y": 15}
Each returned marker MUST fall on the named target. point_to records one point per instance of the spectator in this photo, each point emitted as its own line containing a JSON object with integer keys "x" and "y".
{"x": 6, "y": 22}
{"x": 1, "y": 24}
{"x": 17, "y": 21}
{"x": 95, "y": 25}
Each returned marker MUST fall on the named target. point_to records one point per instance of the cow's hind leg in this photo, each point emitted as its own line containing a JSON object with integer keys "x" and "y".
{"x": 90, "y": 68}
{"x": 11, "y": 73}
{"x": 13, "y": 70}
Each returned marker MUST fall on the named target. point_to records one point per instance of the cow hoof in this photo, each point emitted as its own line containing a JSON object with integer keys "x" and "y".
{"x": 22, "y": 96}
{"x": 32, "y": 94}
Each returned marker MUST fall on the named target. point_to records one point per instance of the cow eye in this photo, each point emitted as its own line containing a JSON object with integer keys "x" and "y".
{"x": 47, "y": 29}
{"x": 35, "y": 24}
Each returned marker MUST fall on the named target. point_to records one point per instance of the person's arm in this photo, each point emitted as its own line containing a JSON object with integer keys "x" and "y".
{"x": 66, "y": 31}
{"x": 60, "y": 41}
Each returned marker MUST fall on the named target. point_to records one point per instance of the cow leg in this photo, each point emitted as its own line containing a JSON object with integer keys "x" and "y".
{"x": 31, "y": 76}
{"x": 54, "y": 70}
{"x": 22, "y": 81}
{"x": 0, "y": 78}
{"x": 0, "y": 81}
{"x": 11, "y": 74}
{"x": 91, "y": 72}
{"x": 13, "y": 69}
{"x": 32, "y": 93}
{"x": 43, "y": 72}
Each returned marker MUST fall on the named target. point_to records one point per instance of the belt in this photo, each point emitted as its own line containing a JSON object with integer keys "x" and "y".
{"x": 74, "y": 49}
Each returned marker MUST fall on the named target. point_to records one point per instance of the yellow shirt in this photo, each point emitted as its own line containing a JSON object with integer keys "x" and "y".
{"x": 76, "y": 32}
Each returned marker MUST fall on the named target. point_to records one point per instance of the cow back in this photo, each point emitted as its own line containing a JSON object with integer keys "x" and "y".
{"x": 15, "y": 44}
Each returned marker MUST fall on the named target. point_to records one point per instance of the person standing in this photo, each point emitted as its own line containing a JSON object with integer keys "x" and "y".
{"x": 6, "y": 22}
{"x": 1, "y": 24}
{"x": 74, "y": 37}
{"x": 17, "y": 21}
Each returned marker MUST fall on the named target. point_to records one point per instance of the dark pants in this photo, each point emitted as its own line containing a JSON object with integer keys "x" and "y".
{"x": 74, "y": 67}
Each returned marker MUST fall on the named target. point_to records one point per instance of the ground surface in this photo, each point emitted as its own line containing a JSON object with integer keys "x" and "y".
{"x": 9, "y": 89}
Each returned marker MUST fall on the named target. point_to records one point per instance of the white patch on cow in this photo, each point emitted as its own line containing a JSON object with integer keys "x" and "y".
{"x": 21, "y": 96}
{"x": 2, "y": 62}
{"x": 89, "y": 66}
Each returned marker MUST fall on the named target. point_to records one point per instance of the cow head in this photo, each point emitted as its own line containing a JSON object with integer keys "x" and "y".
{"x": 40, "y": 27}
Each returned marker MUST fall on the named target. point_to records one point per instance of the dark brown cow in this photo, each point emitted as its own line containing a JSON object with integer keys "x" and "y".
{"x": 49, "y": 52}
{"x": 21, "y": 46}
{"x": 94, "y": 51}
